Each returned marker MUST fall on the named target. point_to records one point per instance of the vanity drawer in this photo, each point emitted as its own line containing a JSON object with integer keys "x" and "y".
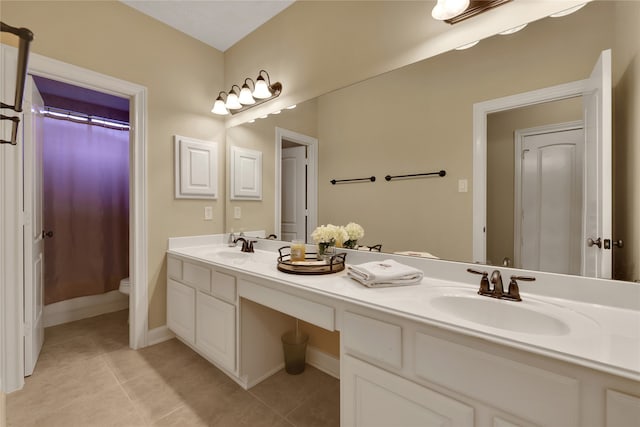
{"x": 174, "y": 268}
{"x": 197, "y": 276}
{"x": 223, "y": 286}
{"x": 372, "y": 339}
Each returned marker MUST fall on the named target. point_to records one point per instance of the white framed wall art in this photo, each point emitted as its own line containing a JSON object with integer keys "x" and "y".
{"x": 196, "y": 168}
{"x": 245, "y": 174}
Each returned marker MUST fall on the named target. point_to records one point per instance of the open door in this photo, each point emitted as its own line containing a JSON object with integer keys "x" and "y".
{"x": 34, "y": 233}
{"x": 596, "y": 235}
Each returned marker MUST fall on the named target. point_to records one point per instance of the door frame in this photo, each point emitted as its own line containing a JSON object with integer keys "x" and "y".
{"x": 312, "y": 178}
{"x": 11, "y": 220}
{"x": 520, "y": 135}
{"x": 480, "y": 112}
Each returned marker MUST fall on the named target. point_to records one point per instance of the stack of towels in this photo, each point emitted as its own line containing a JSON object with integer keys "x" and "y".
{"x": 385, "y": 273}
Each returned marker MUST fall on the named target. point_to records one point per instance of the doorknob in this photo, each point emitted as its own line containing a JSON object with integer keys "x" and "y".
{"x": 597, "y": 242}
{"x": 618, "y": 243}
{"x": 47, "y": 234}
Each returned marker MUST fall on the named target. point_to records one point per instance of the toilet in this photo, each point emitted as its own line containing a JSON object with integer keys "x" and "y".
{"x": 125, "y": 286}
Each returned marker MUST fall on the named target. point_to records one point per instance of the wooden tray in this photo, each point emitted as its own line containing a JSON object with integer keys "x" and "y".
{"x": 311, "y": 265}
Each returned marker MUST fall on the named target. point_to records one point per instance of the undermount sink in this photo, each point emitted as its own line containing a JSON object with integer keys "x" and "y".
{"x": 506, "y": 315}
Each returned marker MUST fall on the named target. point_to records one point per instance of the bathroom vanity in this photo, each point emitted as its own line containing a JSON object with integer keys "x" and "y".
{"x": 429, "y": 354}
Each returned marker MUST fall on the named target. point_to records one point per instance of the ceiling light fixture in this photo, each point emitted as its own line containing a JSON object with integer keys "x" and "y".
{"x": 240, "y": 99}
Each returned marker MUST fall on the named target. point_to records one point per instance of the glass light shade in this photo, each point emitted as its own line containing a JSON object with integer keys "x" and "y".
{"x": 219, "y": 108}
{"x": 447, "y": 9}
{"x": 232, "y": 102}
{"x": 262, "y": 90}
{"x": 245, "y": 97}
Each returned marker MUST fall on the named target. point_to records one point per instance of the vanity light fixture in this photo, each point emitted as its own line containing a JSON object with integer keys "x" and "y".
{"x": 454, "y": 11}
{"x": 447, "y": 9}
{"x": 240, "y": 99}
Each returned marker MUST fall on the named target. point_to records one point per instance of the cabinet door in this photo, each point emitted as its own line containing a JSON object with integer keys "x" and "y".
{"x": 181, "y": 301}
{"x": 374, "y": 397}
{"x": 216, "y": 330}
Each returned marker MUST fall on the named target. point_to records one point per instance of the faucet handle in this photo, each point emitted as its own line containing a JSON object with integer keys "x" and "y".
{"x": 514, "y": 291}
{"x": 250, "y": 245}
{"x": 484, "y": 281}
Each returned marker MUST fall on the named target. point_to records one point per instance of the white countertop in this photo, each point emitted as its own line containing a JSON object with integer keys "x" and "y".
{"x": 603, "y": 337}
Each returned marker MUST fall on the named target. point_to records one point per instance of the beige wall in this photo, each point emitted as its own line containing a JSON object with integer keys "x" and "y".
{"x": 182, "y": 76}
{"x": 260, "y": 136}
{"x": 626, "y": 163}
{"x": 501, "y": 129}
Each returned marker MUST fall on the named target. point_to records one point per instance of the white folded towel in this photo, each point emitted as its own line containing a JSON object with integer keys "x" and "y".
{"x": 385, "y": 273}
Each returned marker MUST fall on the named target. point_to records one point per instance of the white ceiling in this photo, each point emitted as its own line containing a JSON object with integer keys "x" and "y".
{"x": 218, "y": 23}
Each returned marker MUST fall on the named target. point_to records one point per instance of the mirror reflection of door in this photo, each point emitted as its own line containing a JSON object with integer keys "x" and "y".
{"x": 548, "y": 198}
{"x": 294, "y": 191}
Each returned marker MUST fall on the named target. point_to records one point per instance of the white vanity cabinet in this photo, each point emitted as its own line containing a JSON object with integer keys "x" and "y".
{"x": 201, "y": 310}
{"x": 398, "y": 372}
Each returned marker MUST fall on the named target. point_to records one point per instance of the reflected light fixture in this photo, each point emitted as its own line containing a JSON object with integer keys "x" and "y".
{"x": 568, "y": 11}
{"x": 513, "y": 30}
{"x": 241, "y": 99}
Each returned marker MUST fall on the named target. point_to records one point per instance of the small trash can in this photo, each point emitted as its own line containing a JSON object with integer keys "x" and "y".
{"x": 294, "y": 346}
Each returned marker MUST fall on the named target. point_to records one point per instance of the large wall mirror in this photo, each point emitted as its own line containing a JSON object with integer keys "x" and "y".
{"x": 419, "y": 119}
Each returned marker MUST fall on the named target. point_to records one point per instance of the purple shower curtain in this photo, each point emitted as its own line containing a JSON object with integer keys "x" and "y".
{"x": 86, "y": 205}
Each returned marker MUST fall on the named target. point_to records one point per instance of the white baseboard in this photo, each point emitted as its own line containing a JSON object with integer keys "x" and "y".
{"x": 323, "y": 361}
{"x": 158, "y": 335}
{"x": 83, "y": 307}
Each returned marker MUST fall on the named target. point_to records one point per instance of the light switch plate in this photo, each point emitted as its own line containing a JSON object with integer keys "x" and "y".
{"x": 208, "y": 213}
{"x": 462, "y": 186}
{"x": 237, "y": 212}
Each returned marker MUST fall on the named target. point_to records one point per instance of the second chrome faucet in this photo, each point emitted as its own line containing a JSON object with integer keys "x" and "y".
{"x": 497, "y": 291}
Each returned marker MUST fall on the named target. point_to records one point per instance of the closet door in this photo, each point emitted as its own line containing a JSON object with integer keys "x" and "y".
{"x": 33, "y": 228}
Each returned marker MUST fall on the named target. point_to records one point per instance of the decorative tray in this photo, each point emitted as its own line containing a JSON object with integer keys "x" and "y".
{"x": 310, "y": 265}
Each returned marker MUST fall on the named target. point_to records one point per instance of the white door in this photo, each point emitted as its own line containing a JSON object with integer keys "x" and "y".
{"x": 33, "y": 226}
{"x": 294, "y": 193}
{"x": 549, "y": 199}
{"x": 597, "y": 190}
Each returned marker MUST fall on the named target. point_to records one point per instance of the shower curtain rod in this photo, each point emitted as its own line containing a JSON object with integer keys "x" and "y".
{"x": 76, "y": 117}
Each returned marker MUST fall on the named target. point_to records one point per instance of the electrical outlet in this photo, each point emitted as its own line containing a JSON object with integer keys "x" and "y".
{"x": 237, "y": 212}
{"x": 208, "y": 213}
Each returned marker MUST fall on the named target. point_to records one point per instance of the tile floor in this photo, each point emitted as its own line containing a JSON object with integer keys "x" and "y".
{"x": 87, "y": 376}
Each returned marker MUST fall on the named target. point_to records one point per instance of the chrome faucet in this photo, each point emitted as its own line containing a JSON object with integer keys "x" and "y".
{"x": 513, "y": 293}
